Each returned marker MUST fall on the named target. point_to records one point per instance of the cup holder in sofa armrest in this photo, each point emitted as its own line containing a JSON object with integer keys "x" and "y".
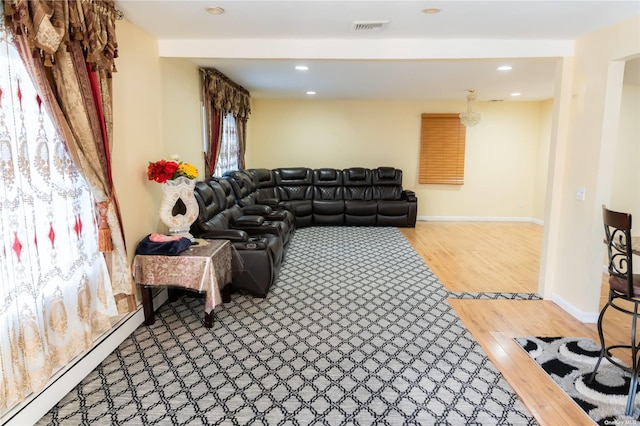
{"x": 253, "y": 243}
{"x": 248, "y": 221}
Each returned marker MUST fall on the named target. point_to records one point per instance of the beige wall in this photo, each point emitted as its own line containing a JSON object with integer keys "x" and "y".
{"x": 181, "y": 111}
{"x": 156, "y": 114}
{"x": 542, "y": 159}
{"x": 574, "y": 252}
{"x": 625, "y": 193}
{"x": 502, "y": 161}
{"x": 137, "y": 139}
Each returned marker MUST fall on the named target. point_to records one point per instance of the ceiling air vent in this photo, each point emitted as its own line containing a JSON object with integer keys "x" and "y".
{"x": 362, "y": 26}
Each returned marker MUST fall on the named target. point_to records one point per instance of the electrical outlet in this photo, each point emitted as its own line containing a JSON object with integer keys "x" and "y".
{"x": 580, "y": 193}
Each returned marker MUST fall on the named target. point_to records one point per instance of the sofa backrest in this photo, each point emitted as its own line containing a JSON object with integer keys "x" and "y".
{"x": 265, "y": 181}
{"x": 243, "y": 187}
{"x": 327, "y": 184}
{"x": 387, "y": 183}
{"x": 357, "y": 184}
{"x": 209, "y": 205}
{"x": 226, "y": 197}
{"x": 294, "y": 183}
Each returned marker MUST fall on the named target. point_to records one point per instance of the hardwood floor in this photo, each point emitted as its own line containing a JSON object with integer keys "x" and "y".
{"x": 504, "y": 257}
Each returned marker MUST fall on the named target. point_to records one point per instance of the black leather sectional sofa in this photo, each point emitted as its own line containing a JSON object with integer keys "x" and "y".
{"x": 354, "y": 196}
{"x": 259, "y": 209}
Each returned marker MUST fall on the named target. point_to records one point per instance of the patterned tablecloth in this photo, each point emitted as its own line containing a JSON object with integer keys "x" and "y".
{"x": 205, "y": 267}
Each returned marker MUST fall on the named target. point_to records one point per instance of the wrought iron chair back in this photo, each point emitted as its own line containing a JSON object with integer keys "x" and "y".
{"x": 617, "y": 228}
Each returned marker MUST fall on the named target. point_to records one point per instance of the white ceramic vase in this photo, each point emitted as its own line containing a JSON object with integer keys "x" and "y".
{"x": 180, "y": 188}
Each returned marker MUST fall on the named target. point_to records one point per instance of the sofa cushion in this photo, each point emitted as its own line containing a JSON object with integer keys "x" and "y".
{"x": 360, "y": 208}
{"x": 393, "y": 208}
{"x": 323, "y": 207}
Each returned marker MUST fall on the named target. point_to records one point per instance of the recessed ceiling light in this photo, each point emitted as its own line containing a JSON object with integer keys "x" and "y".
{"x": 310, "y": 92}
{"x": 302, "y": 67}
{"x": 516, "y": 94}
{"x": 215, "y": 10}
{"x": 505, "y": 68}
{"x": 431, "y": 10}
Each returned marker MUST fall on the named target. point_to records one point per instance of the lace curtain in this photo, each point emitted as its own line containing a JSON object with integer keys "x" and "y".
{"x": 55, "y": 292}
{"x": 228, "y": 154}
{"x": 68, "y": 48}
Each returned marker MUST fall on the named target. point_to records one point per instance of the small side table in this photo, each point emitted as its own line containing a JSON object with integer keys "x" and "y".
{"x": 204, "y": 267}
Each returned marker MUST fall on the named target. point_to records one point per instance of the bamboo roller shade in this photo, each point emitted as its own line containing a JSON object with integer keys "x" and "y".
{"x": 442, "y": 145}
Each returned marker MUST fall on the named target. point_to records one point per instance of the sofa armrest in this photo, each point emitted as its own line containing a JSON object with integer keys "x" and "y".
{"x": 409, "y": 196}
{"x": 277, "y": 216}
{"x": 232, "y": 235}
{"x": 248, "y": 221}
{"x": 271, "y": 202}
{"x": 257, "y": 209}
{"x": 286, "y": 205}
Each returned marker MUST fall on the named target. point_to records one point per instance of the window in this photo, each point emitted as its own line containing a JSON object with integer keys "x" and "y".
{"x": 229, "y": 147}
{"x": 442, "y": 147}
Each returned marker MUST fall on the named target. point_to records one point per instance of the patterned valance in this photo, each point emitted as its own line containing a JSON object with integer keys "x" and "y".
{"x": 51, "y": 24}
{"x": 225, "y": 95}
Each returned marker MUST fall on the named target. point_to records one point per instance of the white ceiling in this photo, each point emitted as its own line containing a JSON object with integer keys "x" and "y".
{"x": 416, "y": 56}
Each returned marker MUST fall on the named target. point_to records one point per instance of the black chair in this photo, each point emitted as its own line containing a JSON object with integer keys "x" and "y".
{"x": 624, "y": 293}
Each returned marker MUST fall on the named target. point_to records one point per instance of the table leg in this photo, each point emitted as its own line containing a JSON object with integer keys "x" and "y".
{"x": 147, "y": 305}
{"x": 173, "y": 294}
{"x": 226, "y": 293}
{"x": 208, "y": 319}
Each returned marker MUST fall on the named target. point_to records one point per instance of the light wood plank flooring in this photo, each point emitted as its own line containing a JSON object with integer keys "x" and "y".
{"x": 504, "y": 257}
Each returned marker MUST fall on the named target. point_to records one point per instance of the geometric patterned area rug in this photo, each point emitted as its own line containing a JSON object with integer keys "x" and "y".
{"x": 356, "y": 331}
{"x": 570, "y": 361}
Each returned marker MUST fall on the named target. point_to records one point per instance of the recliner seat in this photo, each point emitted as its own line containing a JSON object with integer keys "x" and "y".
{"x": 257, "y": 252}
{"x": 295, "y": 191}
{"x": 247, "y": 196}
{"x": 278, "y": 224}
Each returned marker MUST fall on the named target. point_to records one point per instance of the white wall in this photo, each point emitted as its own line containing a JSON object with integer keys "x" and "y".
{"x": 503, "y": 153}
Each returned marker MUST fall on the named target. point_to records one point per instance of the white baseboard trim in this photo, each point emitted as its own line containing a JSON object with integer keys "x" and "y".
{"x": 33, "y": 408}
{"x": 582, "y": 316}
{"x": 478, "y": 219}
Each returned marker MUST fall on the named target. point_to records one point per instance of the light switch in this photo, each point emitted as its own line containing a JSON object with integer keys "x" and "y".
{"x": 580, "y": 193}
